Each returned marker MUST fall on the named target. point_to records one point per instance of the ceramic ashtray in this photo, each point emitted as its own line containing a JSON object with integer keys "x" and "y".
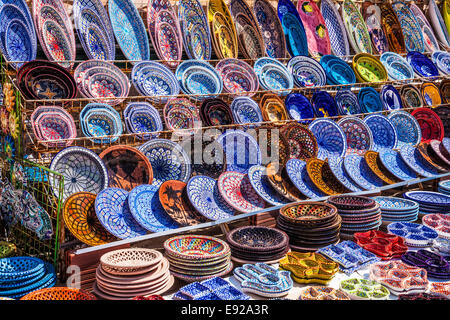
{"x": 362, "y": 289}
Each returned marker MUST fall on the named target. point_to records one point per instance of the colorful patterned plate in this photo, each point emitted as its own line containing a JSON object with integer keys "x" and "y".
{"x": 336, "y": 28}
{"x": 430, "y": 124}
{"x": 323, "y": 178}
{"x": 294, "y": 31}
{"x": 358, "y": 135}
{"x": 330, "y": 138}
{"x": 394, "y": 163}
{"x": 368, "y": 68}
{"x": 356, "y": 28}
{"x": 223, "y": 31}
{"x": 392, "y": 28}
{"x": 416, "y": 162}
{"x": 412, "y": 32}
{"x": 407, "y": 127}
{"x": 357, "y": 168}
{"x": 298, "y": 174}
{"x": 260, "y": 183}
{"x": 383, "y": 132}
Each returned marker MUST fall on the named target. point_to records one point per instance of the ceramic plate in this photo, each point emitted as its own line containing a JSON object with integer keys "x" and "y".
{"x": 357, "y": 168}
{"x": 294, "y": 31}
{"x": 330, "y": 138}
{"x": 412, "y": 32}
{"x": 407, "y": 127}
{"x": 336, "y": 28}
{"x": 383, "y": 132}
{"x": 394, "y": 163}
{"x": 359, "y": 135}
{"x": 296, "y": 170}
{"x": 391, "y": 98}
{"x": 356, "y": 28}
{"x": 415, "y": 161}
{"x": 260, "y": 183}
{"x": 336, "y": 165}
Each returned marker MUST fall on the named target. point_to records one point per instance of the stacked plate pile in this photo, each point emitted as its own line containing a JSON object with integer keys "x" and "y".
{"x": 102, "y": 81}
{"x": 337, "y": 70}
{"x": 142, "y": 117}
{"x": 257, "y": 244}
{"x": 397, "y": 209}
{"x": 127, "y": 273}
{"x": 198, "y": 79}
{"x": 444, "y": 187}
{"x": 430, "y": 202}
{"x": 94, "y": 29}
{"x": 273, "y": 75}
{"x": 359, "y": 214}
{"x": 52, "y": 123}
{"x": 59, "y": 293}
{"x": 307, "y": 72}
{"x": 44, "y": 80}
{"x": 238, "y": 77}
{"x": 197, "y": 258}
{"x": 155, "y": 81}
{"x": 397, "y": 67}
{"x": 19, "y": 42}
{"x": 22, "y": 275}
{"x": 101, "y": 120}
{"x": 310, "y": 225}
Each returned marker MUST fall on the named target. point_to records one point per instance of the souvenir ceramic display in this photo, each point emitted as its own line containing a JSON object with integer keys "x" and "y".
{"x": 196, "y": 258}
{"x": 416, "y": 162}
{"x": 397, "y": 209}
{"x": 429, "y": 39}
{"x": 113, "y": 211}
{"x": 356, "y": 28}
{"x": 437, "y": 266}
{"x": 369, "y": 100}
{"x": 324, "y": 104}
{"x": 204, "y": 195}
{"x": 307, "y": 72}
{"x": 129, "y": 30}
{"x": 430, "y": 201}
{"x": 336, "y": 28}
{"x": 396, "y": 66}
{"x": 141, "y": 119}
{"x": 411, "y": 97}
{"x": 168, "y": 160}
{"x": 55, "y": 31}
{"x": 263, "y": 280}
{"x": 195, "y": 30}
{"x": 392, "y": 28}
{"x": 94, "y": 29}
{"x": 298, "y": 174}
{"x": 315, "y": 28}
{"x": 155, "y": 81}
{"x": 241, "y": 150}
{"x": 81, "y": 220}
{"x": 407, "y": 127}
{"x": 438, "y": 23}
{"x": 337, "y": 70}
{"x": 384, "y": 245}
{"x": 309, "y": 225}
{"x": 412, "y": 33}
{"x": 271, "y": 29}
{"x": 258, "y": 178}
{"x": 257, "y": 244}
{"x": 363, "y": 289}
{"x": 391, "y": 98}
{"x": 357, "y": 168}
{"x": 294, "y": 31}
{"x": 82, "y": 169}
{"x": 383, "y": 132}
{"x": 430, "y": 124}
{"x": 358, "y": 134}
{"x": 330, "y": 138}
{"x": 372, "y": 16}
{"x": 249, "y": 36}
{"x": 347, "y": 102}
{"x": 165, "y": 32}
{"x": 415, "y": 235}
{"x": 336, "y": 165}
{"x": 101, "y": 123}
{"x": 309, "y": 267}
{"x": 238, "y": 76}
{"x": 422, "y": 65}
{"x": 349, "y": 255}
{"x": 368, "y": 68}
{"x": 222, "y": 28}
{"x": 323, "y": 293}
{"x": 399, "y": 277}
{"x": 245, "y": 110}
{"x": 215, "y": 288}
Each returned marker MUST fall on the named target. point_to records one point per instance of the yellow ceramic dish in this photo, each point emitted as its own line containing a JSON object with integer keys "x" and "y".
{"x": 430, "y": 93}
{"x": 273, "y": 109}
{"x": 323, "y": 178}
{"x": 223, "y": 31}
{"x": 446, "y": 14}
{"x": 368, "y": 68}
{"x": 372, "y": 161}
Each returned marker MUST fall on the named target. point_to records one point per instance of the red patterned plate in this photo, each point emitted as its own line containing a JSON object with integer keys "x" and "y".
{"x": 430, "y": 124}
{"x": 302, "y": 142}
{"x": 238, "y": 192}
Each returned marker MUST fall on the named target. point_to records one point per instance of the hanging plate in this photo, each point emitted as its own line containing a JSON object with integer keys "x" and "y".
{"x": 356, "y": 28}
{"x": 223, "y": 32}
{"x": 392, "y": 28}
{"x": 293, "y": 29}
{"x": 335, "y": 27}
{"x": 411, "y": 30}
{"x": 372, "y": 17}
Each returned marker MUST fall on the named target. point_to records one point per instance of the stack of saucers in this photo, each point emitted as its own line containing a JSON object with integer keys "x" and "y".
{"x": 444, "y": 187}
{"x": 22, "y": 275}
{"x": 197, "y": 258}
{"x": 257, "y": 244}
{"x": 397, "y": 209}
{"x": 127, "y": 273}
{"x": 310, "y": 225}
{"x": 430, "y": 202}
{"x": 359, "y": 214}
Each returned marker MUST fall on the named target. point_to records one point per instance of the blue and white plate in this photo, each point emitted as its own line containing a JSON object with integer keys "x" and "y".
{"x": 383, "y": 132}
{"x": 147, "y": 210}
{"x": 357, "y": 168}
{"x": 407, "y": 127}
{"x": 412, "y": 33}
{"x": 396, "y": 204}
{"x": 294, "y": 31}
{"x": 335, "y": 27}
{"x": 391, "y": 98}
{"x": 129, "y": 30}
{"x": 369, "y": 100}
{"x": 307, "y": 72}
{"x": 204, "y": 195}
{"x": 241, "y": 150}
{"x": 336, "y": 165}
{"x": 168, "y": 159}
{"x": 299, "y": 107}
{"x": 393, "y": 162}
{"x": 331, "y": 140}
{"x": 347, "y": 102}
{"x": 258, "y": 178}
{"x": 296, "y": 170}
{"x": 274, "y": 76}
{"x": 422, "y": 65}
{"x": 112, "y": 210}
{"x": 324, "y": 104}
{"x": 415, "y": 235}
{"x": 245, "y": 110}
{"x": 442, "y": 60}
{"x": 397, "y": 66}
{"x": 416, "y": 162}
{"x": 429, "y": 198}
{"x": 142, "y": 117}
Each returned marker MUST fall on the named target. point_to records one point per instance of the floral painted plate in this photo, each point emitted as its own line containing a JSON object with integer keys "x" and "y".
{"x": 330, "y": 138}
{"x": 407, "y": 127}
{"x": 358, "y": 134}
{"x": 347, "y": 102}
{"x": 223, "y": 31}
{"x": 383, "y": 132}
{"x": 393, "y": 162}
{"x": 356, "y": 28}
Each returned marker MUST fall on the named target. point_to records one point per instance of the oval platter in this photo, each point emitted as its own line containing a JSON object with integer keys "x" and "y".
{"x": 392, "y": 28}
{"x": 356, "y": 28}
{"x": 223, "y": 31}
